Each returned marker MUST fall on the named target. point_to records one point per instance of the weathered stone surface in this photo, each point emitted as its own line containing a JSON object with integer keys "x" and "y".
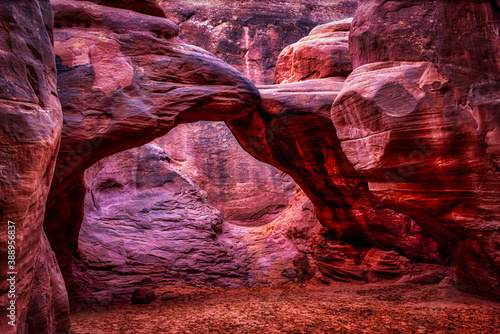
{"x": 437, "y": 31}
{"x": 293, "y": 131}
{"x": 244, "y": 190}
{"x": 30, "y": 131}
{"x": 419, "y": 118}
{"x": 147, "y": 221}
{"x": 322, "y": 54}
{"x": 149, "y": 7}
{"x": 48, "y": 310}
{"x": 338, "y": 260}
{"x": 161, "y": 82}
{"x": 250, "y": 35}
{"x": 350, "y": 262}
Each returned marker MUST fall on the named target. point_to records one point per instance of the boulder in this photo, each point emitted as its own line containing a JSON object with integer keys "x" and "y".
{"x": 322, "y": 54}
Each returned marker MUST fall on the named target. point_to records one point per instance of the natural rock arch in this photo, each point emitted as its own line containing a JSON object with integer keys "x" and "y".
{"x": 162, "y": 82}
{"x": 159, "y": 84}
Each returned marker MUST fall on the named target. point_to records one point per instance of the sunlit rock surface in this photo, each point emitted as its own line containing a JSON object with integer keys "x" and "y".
{"x": 323, "y": 53}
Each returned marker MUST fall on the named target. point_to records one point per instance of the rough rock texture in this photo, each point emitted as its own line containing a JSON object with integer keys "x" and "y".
{"x": 161, "y": 82}
{"x": 246, "y": 191}
{"x": 249, "y": 35}
{"x": 48, "y": 309}
{"x": 293, "y": 131}
{"x": 346, "y": 262}
{"x": 322, "y": 54}
{"x": 150, "y": 224}
{"x": 419, "y": 117}
{"x": 149, "y": 7}
{"x": 30, "y": 130}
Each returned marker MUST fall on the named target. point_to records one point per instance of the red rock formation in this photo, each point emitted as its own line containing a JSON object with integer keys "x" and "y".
{"x": 246, "y": 191}
{"x": 322, "y": 54}
{"x": 161, "y": 82}
{"x": 103, "y": 106}
{"x": 30, "y": 130}
{"x": 149, "y": 7}
{"x": 148, "y": 223}
{"x": 419, "y": 117}
{"x": 250, "y": 35}
{"x": 293, "y": 131}
{"x": 347, "y": 262}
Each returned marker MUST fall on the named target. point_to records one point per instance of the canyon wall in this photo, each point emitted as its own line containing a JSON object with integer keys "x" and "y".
{"x": 105, "y": 113}
{"x": 147, "y": 223}
{"x": 406, "y": 172}
{"x": 30, "y": 132}
{"x": 250, "y": 35}
{"x": 244, "y": 190}
{"x": 419, "y": 119}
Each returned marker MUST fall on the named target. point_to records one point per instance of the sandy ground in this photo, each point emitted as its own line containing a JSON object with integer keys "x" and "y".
{"x": 339, "y": 308}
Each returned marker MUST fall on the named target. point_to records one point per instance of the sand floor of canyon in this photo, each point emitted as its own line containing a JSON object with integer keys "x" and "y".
{"x": 338, "y": 308}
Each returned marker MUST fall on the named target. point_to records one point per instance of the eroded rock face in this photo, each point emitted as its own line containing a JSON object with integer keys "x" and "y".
{"x": 322, "y": 54}
{"x": 293, "y": 131}
{"x": 30, "y": 131}
{"x": 419, "y": 118}
{"x": 149, "y": 7}
{"x": 250, "y": 35}
{"x": 147, "y": 220}
{"x": 149, "y": 224}
{"x": 247, "y": 192}
{"x": 160, "y": 82}
{"x": 347, "y": 262}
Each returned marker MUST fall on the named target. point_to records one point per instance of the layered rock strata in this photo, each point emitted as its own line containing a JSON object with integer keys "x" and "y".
{"x": 250, "y": 35}
{"x": 30, "y": 132}
{"x": 419, "y": 119}
{"x": 150, "y": 224}
{"x": 161, "y": 82}
{"x": 293, "y": 131}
